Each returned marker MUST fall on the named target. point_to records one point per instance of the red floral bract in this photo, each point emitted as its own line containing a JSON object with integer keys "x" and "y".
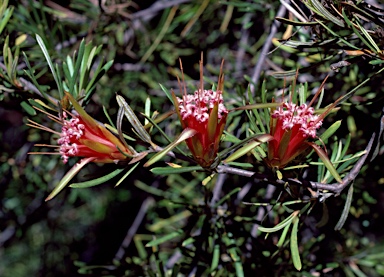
{"x": 204, "y": 112}
{"x": 82, "y": 136}
{"x": 291, "y": 125}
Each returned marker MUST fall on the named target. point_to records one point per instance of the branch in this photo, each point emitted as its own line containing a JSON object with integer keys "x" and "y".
{"x": 336, "y": 188}
{"x": 28, "y": 86}
{"x": 246, "y": 173}
{"x": 264, "y": 51}
{"x": 148, "y": 202}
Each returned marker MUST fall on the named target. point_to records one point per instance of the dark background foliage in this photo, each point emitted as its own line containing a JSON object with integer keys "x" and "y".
{"x": 82, "y": 231}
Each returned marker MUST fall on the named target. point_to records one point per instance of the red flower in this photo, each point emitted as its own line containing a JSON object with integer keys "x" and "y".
{"x": 205, "y": 113}
{"x": 82, "y": 136}
{"x": 291, "y": 126}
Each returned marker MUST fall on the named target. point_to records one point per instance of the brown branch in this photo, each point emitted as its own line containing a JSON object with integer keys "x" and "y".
{"x": 334, "y": 189}
{"x": 337, "y": 188}
{"x": 264, "y": 51}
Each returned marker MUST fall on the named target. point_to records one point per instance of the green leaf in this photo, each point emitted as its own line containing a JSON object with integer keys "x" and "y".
{"x": 132, "y": 118}
{"x": 281, "y": 225}
{"x": 215, "y": 258}
{"x": 346, "y": 209}
{"x": 258, "y": 106}
{"x": 259, "y": 139}
{"x": 68, "y": 176}
{"x": 75, "y": 74}
{"x": 232, "y": 250}
{"x": 330, "y": 131}
{"x": 187, "y": 133}
{"x": 174, "y": 170}
{"x": 294, "y": 23}
{"x": 328, "y": 164}
{"x": 6, "y": 15}
{"x": 126, "y": 174}
{"x": 167, "y": 93}
{"x": 336, "y": 35}
{"x": 97, "y": 181}
{"x": 283, "y": 235}
{"x": 326, "y": 14}
{"x": 226, "y": 197}
{"x": 164, "y": 239}
{"x": 242, "y": 165}
{"x": 294, "y": 245}
{"x": 50, "y": 64}
{"x": 28, "y": 108}
{"x": 32, "y": 77}
{"x": 99, "y": 72}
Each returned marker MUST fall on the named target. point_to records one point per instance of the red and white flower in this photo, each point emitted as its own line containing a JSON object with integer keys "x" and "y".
{"x": 82, "y": 136}
{"x": 291, "y": 125}
{"x": 205, "y": 113}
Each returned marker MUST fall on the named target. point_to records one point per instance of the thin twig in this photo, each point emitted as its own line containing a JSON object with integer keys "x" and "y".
{"x": 243, "y": 42}
{"x": 28, "y": 86}
{"x": 265, "y": 49}
{"x": 335, "y": 188}
{"x": 158, "y": 6}
{"x": 142, "y": 16}
{"x": 135, "y": 226}
{"x": 218, "y": 189}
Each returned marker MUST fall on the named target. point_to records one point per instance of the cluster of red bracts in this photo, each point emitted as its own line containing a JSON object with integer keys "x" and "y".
{"x": 203, "y": 112}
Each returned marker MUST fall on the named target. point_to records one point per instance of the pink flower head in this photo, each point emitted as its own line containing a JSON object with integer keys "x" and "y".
{"x": 82, "y": 136}
{"x": 204, "y": 112}
{"x": 291, "y": 126}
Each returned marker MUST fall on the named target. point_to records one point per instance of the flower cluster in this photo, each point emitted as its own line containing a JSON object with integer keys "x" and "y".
{"x": 195, "y": 108}
{"x": 291, "y": 126}
{"x": 82, "y": 136}
{"x": 77, "y": 138}
{"x": 301, "y": 117}
{"x": 71, "y": 132}
{"x": 205, "y": 113}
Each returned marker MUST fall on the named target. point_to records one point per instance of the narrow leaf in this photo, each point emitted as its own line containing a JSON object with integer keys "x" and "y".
{"x": 345, "y": 212}
{"x": 187, "y": 133}
{"x": 163, "y": 239}
{"x": 132, "y": 118}
{"x": 328, "y": 164}
{"x": 257, "y": 106}
{"x": 97, "y": 181}
{"x": 281, "y": 225}
{"x": 215, "y": 258}
{"x": 50, "y": 64}
{"x": 173, "y": 170}
{"x": 126, "y": 174}
{"x": 294, "y": 246}
{"x": 68, "y": 177}
{"x": 331, "y": 130}
{"x": 166, "y": 92}
{"x": 283, "y": 235}
{"x": 248, "y": 147}
{"x": 294, "y": 23}
{"x": 326, "y": 14}
{"x": 28, "y": 108}
{"x": 75, "y": 73}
